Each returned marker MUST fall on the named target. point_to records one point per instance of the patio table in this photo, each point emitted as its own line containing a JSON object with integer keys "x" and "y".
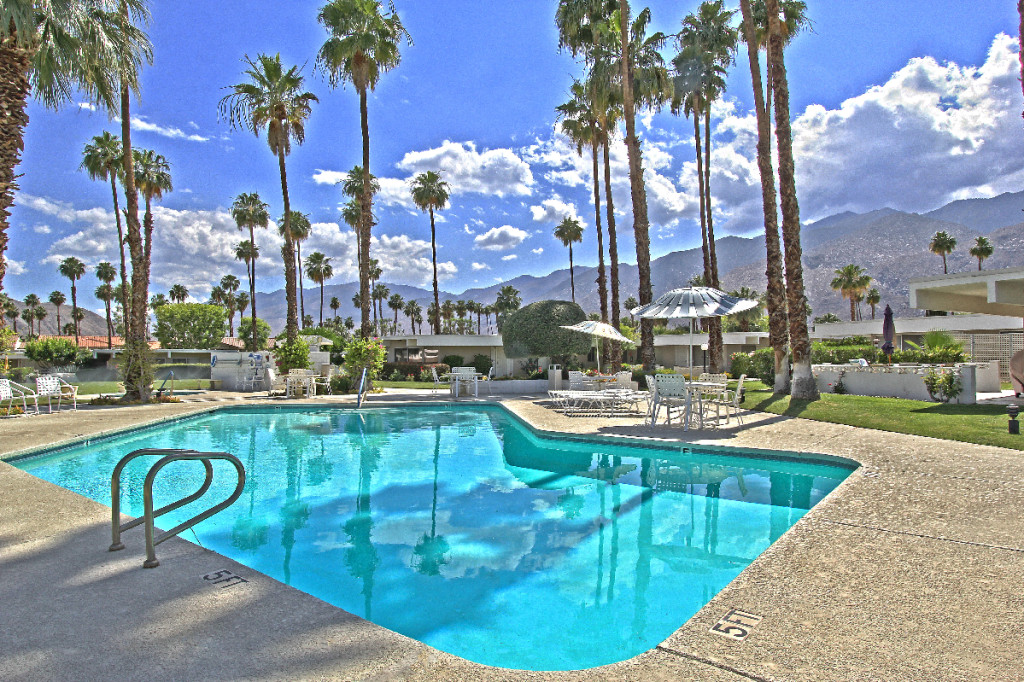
{"x": 455, "y": 377}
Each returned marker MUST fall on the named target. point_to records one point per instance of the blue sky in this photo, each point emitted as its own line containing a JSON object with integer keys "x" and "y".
{"x": 906, "y": 104}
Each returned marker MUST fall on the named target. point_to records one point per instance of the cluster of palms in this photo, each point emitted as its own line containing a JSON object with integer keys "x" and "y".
{"x": 854, "y": 284}
{"x": 943, "y": 244}
{"x": 624, "y": 73}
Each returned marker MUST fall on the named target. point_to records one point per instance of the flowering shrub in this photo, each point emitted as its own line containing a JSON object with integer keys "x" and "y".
{"x": 943, "y": 386}
{"x": 293, "y": 355}
{"x": 364, "y": 353}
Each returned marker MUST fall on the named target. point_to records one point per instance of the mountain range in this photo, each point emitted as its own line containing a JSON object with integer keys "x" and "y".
{"x": 891, "y": 245}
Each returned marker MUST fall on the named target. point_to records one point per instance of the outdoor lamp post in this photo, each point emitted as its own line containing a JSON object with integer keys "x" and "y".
{"x": 1013, "y": 411}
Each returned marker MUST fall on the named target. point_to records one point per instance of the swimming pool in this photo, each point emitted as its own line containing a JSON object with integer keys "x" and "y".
{"x": 465, "y": 529}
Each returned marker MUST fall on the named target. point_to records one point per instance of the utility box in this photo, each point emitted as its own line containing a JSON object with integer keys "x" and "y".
{"x": 554, "y": 377}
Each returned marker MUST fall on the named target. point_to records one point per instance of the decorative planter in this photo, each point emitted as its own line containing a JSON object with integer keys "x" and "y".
{"x": 892, "y": 382}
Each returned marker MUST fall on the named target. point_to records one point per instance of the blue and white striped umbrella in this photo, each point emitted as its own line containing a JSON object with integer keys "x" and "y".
{"x": 693, "y": 303}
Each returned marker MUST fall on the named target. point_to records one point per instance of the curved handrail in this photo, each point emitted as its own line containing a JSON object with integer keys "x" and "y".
{"x": 149, "y": 515}
{"x": 359, "y": 395}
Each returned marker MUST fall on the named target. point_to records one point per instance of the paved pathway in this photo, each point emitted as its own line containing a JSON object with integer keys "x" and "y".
{"x": 910, "y": 570}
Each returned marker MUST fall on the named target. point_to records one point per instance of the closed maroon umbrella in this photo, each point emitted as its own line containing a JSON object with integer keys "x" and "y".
{"x": 888, "y": 332}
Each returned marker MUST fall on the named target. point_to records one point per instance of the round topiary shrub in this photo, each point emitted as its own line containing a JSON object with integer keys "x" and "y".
{"x": 535, "y": 331}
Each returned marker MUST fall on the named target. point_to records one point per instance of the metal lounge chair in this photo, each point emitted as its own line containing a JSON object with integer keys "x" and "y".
{"x": 50, "y": 386}
{"x": 11, "y": 392}
{"x": 673, "y": 392}
{"x": 730, "y": 400}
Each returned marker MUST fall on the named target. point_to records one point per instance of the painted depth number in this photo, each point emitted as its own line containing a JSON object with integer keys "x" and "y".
{"x": 735, "y": 624}
{"x": 224, "y": 578}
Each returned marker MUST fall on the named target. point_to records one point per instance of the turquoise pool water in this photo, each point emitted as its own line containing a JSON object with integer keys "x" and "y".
{"x": 463, "y": 528}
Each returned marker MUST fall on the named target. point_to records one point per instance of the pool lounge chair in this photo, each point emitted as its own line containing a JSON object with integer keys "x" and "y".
{"x": 12, "y": 392}
{"x": 51, "y": 386}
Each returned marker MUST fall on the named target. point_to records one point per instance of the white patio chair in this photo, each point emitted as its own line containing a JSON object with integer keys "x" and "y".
{"x": 674, "y": 392}
{"x": 11, "y": 392}
{"x": 576, "y": 381}
{"x": 466, "y": 374}
{"x": 490, "y": 379}
{"x": 730, "y": 400}
{"x": 51, "y": 386}
{"x": 277, "y": 383}
{"x": 437, "y": 379}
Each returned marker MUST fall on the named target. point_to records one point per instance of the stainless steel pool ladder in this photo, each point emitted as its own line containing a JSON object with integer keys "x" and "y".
{"x": 169, "y": 455}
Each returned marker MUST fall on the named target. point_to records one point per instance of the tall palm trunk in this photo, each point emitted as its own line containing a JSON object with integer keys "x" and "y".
{"x": 615, "y": 347}
{"x": 638, "y": 192}
{"x": 365, "y": 220}
{"x": 804, "y": 386}
{"x": 110, "y": 325}
{"x": 302, "y": 286}
{"x": 572, "y": 280}
{"x": 120, "y": 251}
{"x": 602, "y": 280}
{"x": 702, "y": 197}
{"x": 14, "y": 88}
{"x": 778, "y": 334}
{"x": 433, "y": 253}
{"x": 292, "y": 325}
{"x": 252, "y": 285}
{"x": 321, "y": 303}
{"x": 715, "y": 345}
{"x": 58, "y": 319}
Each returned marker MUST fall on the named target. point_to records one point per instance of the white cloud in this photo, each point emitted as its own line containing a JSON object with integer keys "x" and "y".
{"x": 500, "y": 238}
{"x": 142, "y": 125}
{"x": 510, "y": 256}
{"x": 471, "y": 233}
{"x": 329, "y": 177}
{"x": 480, "y": 266}
{"x": 496, "y": 172}
{"x": 41, "y": 229}
{"x": 15, "y": 267}
{"x": 539, "y": 250}
{"x": 554, "y": 210}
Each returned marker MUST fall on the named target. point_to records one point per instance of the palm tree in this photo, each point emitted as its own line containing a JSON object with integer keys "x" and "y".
{"x": 335, "y": 305}
{"x": 644, "y": 82}
{"x": 152, "y": 178}
{"x": 158, "y": 300}
{"x": 942, "y": 244}
{"x": 301, "y": 228}
{"x": 803, "y": 384}
{"x": 508, "y": 301}
{"x": 430, "y": 192}
{"x": 273, "y": 98}
{"x": 105, "y": 293}
{"x": 412, "y": 310}
{"x": 247, "y": 253}
{"x": 106, "y": 273}
{"x": 775, "y": 294}
{"x": 56, "y": 50}
{"x": 793, "y": 21}
{"x": 10, "y": 311}
{"x": 241, "y": 303}
{"x": 568, "y": 232}
{"x": 579, "y": 124}
{"x": 363, "y": 44}
{"x": 319, "y": 269}
{"x": 73, "y": 269}
{"x": 746, "y": 319}
{"x": 230, "y": 284}
{"x": 873, "y": 298}
{"x": 850, "y": 280}
{"x": 447, "y": 313}
{"x": 380, "y": 294}
{"x": 102, "y": 159}
{"x": 178, "y": 293}
{"x": 39, "y": 312}
{"x": 58, "y": 299}
{"x": 29, "y": 313}
{"x": 631, "y": 305}
{"x": 982, "y": 248}
{"x": 352, "y": 211}
{"x": 250, "y": 212}
{"x": 396, "y": 302}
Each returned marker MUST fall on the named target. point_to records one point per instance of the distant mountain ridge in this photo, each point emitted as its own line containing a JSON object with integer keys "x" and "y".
{"x": 891, "y": 245}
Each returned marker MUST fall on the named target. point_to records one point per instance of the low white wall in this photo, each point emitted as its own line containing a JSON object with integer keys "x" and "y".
{"x": 891, "y": 382}
{"x": 987, "y": 374}
{"x": 522, "y": 386}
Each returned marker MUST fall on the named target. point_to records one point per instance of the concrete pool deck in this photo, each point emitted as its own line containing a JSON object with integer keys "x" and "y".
{"x": 911, "y": 569}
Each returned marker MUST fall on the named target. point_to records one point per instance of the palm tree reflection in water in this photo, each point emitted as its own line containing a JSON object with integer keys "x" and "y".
{"x": 432, "y": 549}
{"x": 362, "y": 558}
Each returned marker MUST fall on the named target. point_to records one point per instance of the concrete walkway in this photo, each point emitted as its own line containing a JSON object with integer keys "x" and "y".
{"x": 910, "y": 570}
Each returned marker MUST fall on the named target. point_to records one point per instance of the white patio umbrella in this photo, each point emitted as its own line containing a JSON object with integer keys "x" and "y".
{"x": 601, "y": 330}
{"x": 693, "y": 303}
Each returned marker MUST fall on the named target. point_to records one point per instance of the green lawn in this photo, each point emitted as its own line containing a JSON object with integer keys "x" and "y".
{"x": 110, "y": 387}
{"x": 983, "y": 424}
{"x": 405, "y": 384}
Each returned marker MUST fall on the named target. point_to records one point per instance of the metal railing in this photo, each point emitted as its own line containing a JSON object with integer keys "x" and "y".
{"x": 149, "y": 515}
{"x": 359, "y": 395}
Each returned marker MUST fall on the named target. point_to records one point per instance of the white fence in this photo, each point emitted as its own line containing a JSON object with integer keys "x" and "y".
{"x": 894, "y": 381}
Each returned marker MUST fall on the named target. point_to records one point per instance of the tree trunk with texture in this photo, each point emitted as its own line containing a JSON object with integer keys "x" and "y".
{"x": 436, "y": 321}
{"x": 288, "y": 255}
{"x": 138, "y": 371}
{"x": 602, "y": 280}
{"x": 715, "y": 345}
{"x": 252, "y": 286}
{"x": 14, "y": 88}
{"x": 302, "y": 287}
{"x": 615, "y": 348}
{"x": 120, "y": 252}
{"x": 638, "y": 192}
{"x": 366, "y": 220}
{"x": 803, "y": 383}
{"x": 778, "y": 333}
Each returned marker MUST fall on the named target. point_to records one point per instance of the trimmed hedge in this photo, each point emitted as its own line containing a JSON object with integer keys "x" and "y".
{"x": 535, "y": 331}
